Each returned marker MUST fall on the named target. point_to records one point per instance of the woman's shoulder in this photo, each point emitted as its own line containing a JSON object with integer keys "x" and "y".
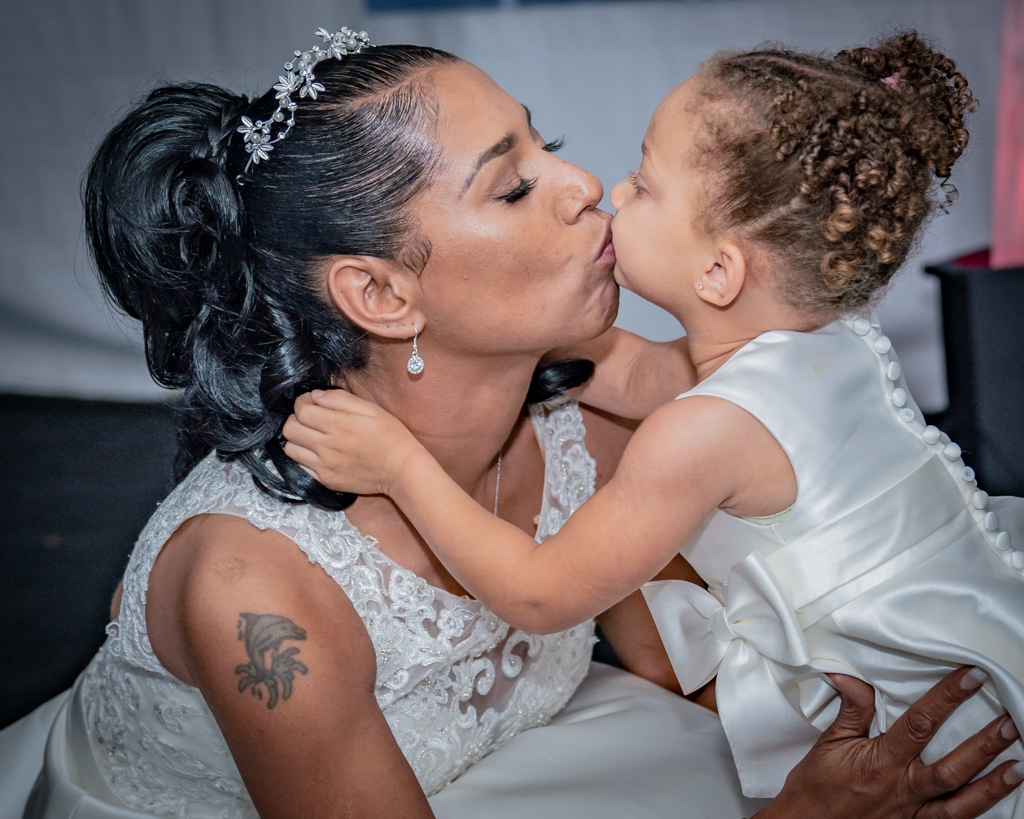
{"x": 227, "y": 489}
{"x": 215, "y": 574}
{"x": 218, "y": 530}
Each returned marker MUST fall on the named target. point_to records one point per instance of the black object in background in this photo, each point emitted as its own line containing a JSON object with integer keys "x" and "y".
{"x": 983, "y": 336}
{"x": 78, "y": 480}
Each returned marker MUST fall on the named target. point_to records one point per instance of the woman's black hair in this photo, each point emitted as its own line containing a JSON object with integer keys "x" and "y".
{"x": 220, "y": 264}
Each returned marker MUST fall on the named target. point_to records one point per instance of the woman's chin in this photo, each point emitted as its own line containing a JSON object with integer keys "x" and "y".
{"x": 611, "y": 310}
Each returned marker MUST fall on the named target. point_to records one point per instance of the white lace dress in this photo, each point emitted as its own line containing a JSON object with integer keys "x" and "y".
{"x": 453, "y": 682}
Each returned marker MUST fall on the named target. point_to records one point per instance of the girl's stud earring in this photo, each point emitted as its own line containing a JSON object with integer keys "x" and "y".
{"x": 415, "y": 363}
{"x": 700, "y": 286}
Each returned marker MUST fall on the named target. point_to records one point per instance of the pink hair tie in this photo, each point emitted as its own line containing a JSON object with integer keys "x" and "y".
{"x": 893, "y": 81}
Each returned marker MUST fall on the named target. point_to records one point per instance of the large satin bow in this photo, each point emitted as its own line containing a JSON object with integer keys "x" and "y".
{"x": 757, "y": 619}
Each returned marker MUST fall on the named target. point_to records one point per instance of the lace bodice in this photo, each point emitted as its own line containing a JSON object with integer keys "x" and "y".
{"x": 453, "y": 681}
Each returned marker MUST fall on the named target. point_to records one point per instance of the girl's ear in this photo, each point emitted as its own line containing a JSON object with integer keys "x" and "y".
{"x": 723, "y": 281}
{"x": 376, "y": 294}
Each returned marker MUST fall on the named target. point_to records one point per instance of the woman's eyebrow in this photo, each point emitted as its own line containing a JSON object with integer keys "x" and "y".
{"x": 499, "y": 148}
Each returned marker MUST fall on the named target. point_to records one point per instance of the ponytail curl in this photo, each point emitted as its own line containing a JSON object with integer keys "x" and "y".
{"x": 162, "y": 217}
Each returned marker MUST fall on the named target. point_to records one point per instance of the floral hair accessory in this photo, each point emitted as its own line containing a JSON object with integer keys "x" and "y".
{"x": 259, "y": 139}
{"x": 893, "y": 81}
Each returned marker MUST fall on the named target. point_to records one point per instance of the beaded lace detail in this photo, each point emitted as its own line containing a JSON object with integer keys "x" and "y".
{"x": 453, "y": 681}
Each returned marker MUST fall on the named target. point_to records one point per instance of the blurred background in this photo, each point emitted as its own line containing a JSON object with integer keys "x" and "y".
{"x": 88, "y": 439}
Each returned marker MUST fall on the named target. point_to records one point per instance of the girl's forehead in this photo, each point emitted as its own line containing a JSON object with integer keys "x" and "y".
{"x": 675, "y": 122}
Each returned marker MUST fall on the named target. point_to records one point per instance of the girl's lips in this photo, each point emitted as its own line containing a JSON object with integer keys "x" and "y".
{"x": 608, "y": 254}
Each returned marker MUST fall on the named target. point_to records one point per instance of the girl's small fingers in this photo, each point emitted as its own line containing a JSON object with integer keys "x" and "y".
{"x": 297, "y": 432}
{"x": 324, "y": 420}
{"x": 977, "y": 797}
{"x": 968, "y": 759}
{"x": 306, "y": 458}
{"x": 304, "y": 400}
{"x": 342, "y": 401}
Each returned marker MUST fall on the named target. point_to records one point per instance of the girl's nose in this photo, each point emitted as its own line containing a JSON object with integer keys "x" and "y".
{"x": 618, "y": 194}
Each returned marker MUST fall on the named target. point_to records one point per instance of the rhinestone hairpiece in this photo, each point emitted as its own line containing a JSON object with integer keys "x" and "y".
{"x": 259, "y": 139}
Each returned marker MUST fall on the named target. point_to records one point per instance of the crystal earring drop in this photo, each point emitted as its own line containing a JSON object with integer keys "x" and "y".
{"x": 415, "y": 363}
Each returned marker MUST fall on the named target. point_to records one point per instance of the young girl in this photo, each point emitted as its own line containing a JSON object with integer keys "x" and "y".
{"x": 778, "y": 193}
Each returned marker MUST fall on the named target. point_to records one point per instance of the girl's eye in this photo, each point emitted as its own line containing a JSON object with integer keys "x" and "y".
{"x": 555, "y": 145}
{"x": 525, "y": 187}
{"x": 635, "y": 182}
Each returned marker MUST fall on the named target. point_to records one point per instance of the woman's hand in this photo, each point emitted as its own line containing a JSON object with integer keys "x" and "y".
{"x": 846, "y": 774}
{"x": 346, "y": 443}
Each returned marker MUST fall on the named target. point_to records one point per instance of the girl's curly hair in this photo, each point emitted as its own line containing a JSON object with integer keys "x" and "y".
{"x": 825, "y": 165}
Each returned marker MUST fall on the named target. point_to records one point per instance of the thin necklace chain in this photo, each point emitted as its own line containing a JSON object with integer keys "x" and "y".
{"x": 497, "y": 485}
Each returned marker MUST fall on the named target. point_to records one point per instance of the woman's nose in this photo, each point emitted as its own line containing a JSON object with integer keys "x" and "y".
{"x": 583, "y": 192}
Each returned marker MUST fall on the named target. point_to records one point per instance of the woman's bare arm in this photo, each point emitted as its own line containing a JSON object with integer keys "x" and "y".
{"x": 287, "y": 668}
{"x": 632, "y": 376}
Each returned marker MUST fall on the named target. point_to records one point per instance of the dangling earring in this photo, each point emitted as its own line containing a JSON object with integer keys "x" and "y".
{"x": 415, "y": 363}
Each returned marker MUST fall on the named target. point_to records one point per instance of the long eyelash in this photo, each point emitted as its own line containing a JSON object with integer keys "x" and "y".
{"x": 555, "y": 145}
{"x": 633, "y": 181}
{"x": 525, "y": 187}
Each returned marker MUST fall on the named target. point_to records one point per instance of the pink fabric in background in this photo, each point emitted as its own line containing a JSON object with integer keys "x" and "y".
{"x": 1008, "y": 208}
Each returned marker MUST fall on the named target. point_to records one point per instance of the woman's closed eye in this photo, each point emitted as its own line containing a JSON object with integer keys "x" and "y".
{"x": 524, "y": 188}
{"x": 555, "y": 145}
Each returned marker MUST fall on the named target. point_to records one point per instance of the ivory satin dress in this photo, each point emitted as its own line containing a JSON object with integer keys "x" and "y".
{"x": 892, "y": 565}
{"x": 493, "y": 721}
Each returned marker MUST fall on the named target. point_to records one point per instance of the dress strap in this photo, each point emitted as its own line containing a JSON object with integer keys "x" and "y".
{"x": 570, "y": 472}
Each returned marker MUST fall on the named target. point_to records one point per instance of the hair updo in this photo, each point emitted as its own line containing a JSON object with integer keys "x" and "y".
{"x": 222, "y": 266}
{"x": 827, "y": 165}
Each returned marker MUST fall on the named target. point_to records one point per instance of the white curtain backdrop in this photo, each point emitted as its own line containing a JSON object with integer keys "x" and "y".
{"x": 591, "y": 71}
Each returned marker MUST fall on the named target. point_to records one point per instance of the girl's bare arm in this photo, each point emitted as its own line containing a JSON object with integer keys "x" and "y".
{"x": 667, "y": 482}
{"x": 632, "y": 376}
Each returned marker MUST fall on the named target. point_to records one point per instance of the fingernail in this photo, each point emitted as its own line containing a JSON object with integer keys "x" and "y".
{"x": 1014, "y": 775}
{"x": 1008, "y": 729}
{"x": 975, "y": 678}
{"x": 319, "y": 393}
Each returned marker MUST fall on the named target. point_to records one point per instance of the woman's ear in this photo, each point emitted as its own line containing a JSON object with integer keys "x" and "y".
{"x": 376, "y": 294}
{"x": 723, "y": 280}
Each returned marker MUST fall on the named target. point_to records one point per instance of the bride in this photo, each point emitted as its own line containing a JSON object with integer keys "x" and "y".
{"x": 387, "y": 219}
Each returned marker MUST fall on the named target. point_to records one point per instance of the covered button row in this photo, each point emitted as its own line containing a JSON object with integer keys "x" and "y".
{"x": 951, "y": 451}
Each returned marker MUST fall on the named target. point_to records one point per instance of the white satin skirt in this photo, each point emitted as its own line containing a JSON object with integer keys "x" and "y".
{"x": 622, "y": 749}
